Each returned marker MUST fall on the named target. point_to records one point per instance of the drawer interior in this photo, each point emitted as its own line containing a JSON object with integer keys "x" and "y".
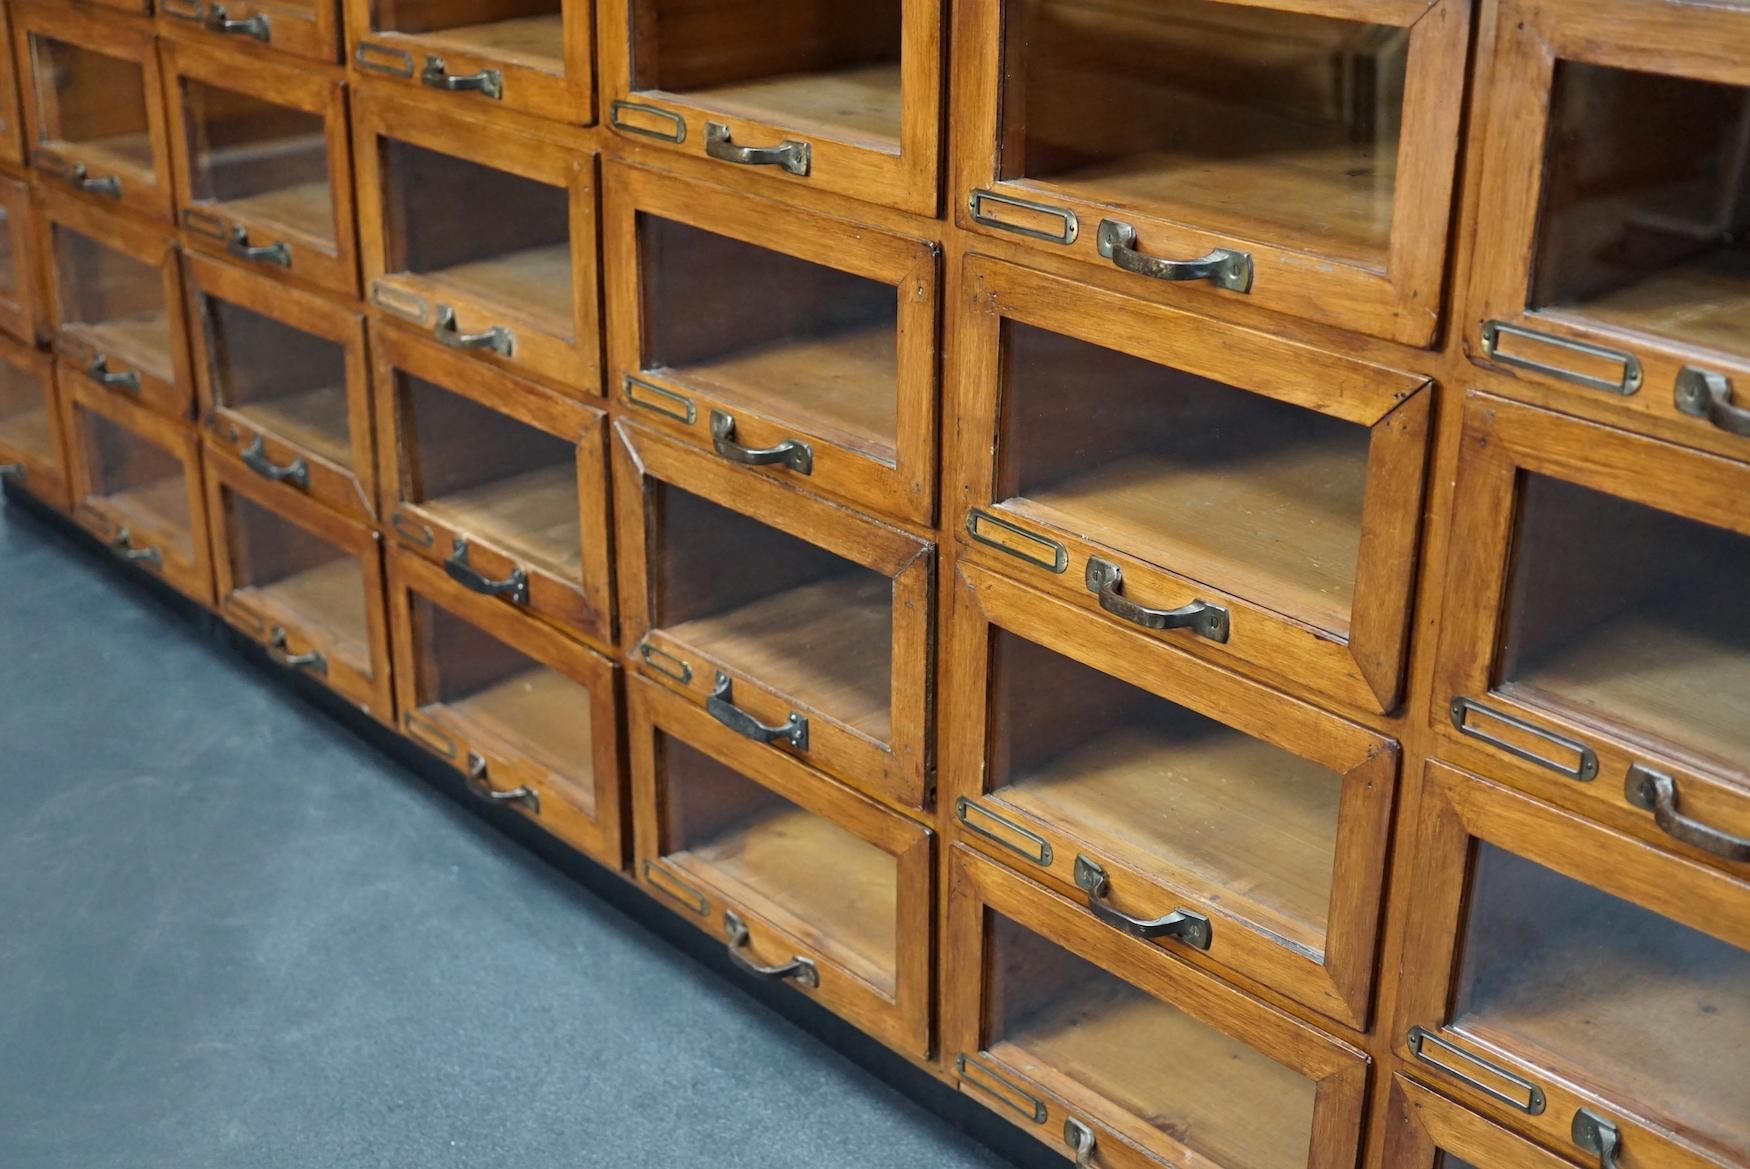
{"x": 789, "y": 614}
{"x": 302, "y": 579}
{"x": 12, "y": 286}
{"x": 266, "y": 162}
{"x": 818, "y": 881}
{"x": 91, "y": 100}
{"x": 116, "y": 301}
{"x": 25, "y": 425}
{"x": 1269, "y": 125}
{"x": 1150, "y": 783}
{"x": 1246, "y": 493}
{"x": 529, "y": 33}
{"x": 792, "y": 340}
{"x": 819, "y": 65}
{"x": 280, "y": 379}
{"x": 1625, "y": 615}
{"x": 1645, "y": 215}
{"x": 139, "y": 483}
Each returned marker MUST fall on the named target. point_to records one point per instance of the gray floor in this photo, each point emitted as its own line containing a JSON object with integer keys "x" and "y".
{"x": 233, "y": 936}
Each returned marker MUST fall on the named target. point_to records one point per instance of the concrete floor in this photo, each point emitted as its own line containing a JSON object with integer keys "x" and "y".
{"x": 232, "y": 935}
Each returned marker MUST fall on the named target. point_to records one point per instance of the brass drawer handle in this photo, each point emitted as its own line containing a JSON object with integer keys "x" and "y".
{"x": 480, "y": 785}
{"x": 720, "y": 705}
{"x": 1657, "y": 792}
{"x": 123, "y": 546}
{"x": 1081, "y": 1141}
{"x": 313, "y": 661}
{"x": 250, "y": 26}
{"x": 279, "y": 252}
{"x": 798, "y": 968}
{"x": 1709, "y": 395}
{"x": 487, "y": 82}
{"x": 1221, "y": 267}
{"x": 496, "y": 338}
{"x": 1595, "y": 1134}
{"x": 789, "y": 154}
{"x": 78, "y": 178}
{"x": 1104, "y": 579}
{"x": 97, "y": 369}
{"x": 296, "y": 472}
{"x": 1182, "y": 924}
{"x": 513, "y": 588}
{"x": 792, "y": 453}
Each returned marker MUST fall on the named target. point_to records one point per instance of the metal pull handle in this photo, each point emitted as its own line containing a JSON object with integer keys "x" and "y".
{"x": 1182, "y": 924}
{"x": 1221, "y": 267}
{"x": 97, "y": 369}
{"x": 1657, "y": 792}
{"x": 480, "y": 785}
{"x": 123, "y": 546}
{"x": 497, "y": 338}
{"x": 1104, "y": 579}
{"x": 1081, "y": 1141}
{"x": 798, "y": 968}
{"x": 279, "y": 252}
{"x": 1597, "y": 1135}
{"x": 513, "y": 588}
{"x": 314, "y": 662}
{"x": 792, "y": 453}
{"x": 1709, "y": 395}
{"x": 250, "y": 26}
{"x": 489, "y": 82}
{"x": 789, "y": 154}
{"x": 12, "y": 471}
{"x": 77, "y": 178}
{"x": 296, "y": 472}
{"x": 720, "y": 705}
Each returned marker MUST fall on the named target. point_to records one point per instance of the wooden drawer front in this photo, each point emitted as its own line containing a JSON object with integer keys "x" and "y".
{"x": 797, "y": 622}
{"x": 32, "y": 452}
{"x": 263, "y": 167}
{"x": 284, "y": 383}
{"x": 481, "y": 236}
{"x": 1426, "y": 1131}
{"x": 823, "y": 888}
{"x": 1555, "y": 966}
{"x": 502, "y": 482}
{"x": 1299, "y": 161}
{"x": 11, "y": 124}
{"x": 303, "y": 581}
{"x": 1088, "y": 1040}
{"x": 528, "y": 715}
{"x": 115, "y": 304}
{"x": 93, "y": 107}
{"x": 1595, "y": 650}
{"x": 1076, "y": 749}
{"x": 1609, "y": 258}
{"x": 302, "y": 28}
{"x": 20, "y": 294}
{"x": 136, "y": 484}
{"x": 1249, "y": 500}
{"x": 810, "y": 350}
{"x": 532, "y": 56}
{"x": 827, "y": 96}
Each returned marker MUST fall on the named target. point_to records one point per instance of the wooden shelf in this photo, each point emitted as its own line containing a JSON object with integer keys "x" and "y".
{"x": 123, "y": 152}
{"x": 531, "y": 42}
{"x": 535, "y": 515}
{"x": 314, "y": 419}
{"x": 158, "y": 506}
{"x": 306, "y": 208}
{"x": 28, "y": 431}
{"x": 857, "y": 105}
{"x": 545, "y": 715}
{"x": 327, "y": 600}
{"x": 1700, "y": 303}
{"x": 142, "y": 338}
{"x": 536, "y": 282}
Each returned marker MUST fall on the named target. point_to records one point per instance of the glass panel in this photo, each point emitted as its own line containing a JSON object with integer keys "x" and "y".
{"x": 487, "y": 233}
{"x": 796, "y": 869}
{"x": 502, "y": 694}
{"x": 793, "y": 615}
{"x": 1645, "y": 222}
{"x": 1611, "y": 994}
{"x": 1276, "y": 126}
{"x": 528, "y": 33}
{"x": 267, "y": 162}
{"x": 1152, "y": 784}
{"x": 1445, "y": 1160}
{"x": 314, "y": 585}
{"x": 792, "y": 340}
{"x": 285, "y": 381}
{"x": 8, "y": 258}
{"x": 24, "y": 414}
{"x": 1090, "y": 1036}
{"x": 141, "y": 484}
{"x": 828, "y": 68}
{"x": 1221, "y": 485}
{"x": 486, "y": 474}
{"x": 92, "y": 101}
{"x": 1629, "y": 616}
{"x": 112, "y": 299}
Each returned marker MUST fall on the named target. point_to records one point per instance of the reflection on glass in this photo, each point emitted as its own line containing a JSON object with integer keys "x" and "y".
{"x": 93, "y": 102}
{"x": 24, "y": 414}
{"x": 526, "y": 33}
{"x": 268, "y": 163}
{"x": 142, "y": 485}
{"x": 281, "y": 379}
{"x": 302, "y": 579}
{"x": 113, "y": 300}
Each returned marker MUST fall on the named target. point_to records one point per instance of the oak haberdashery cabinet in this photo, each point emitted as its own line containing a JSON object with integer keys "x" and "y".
{"x": 1177, "y": 564}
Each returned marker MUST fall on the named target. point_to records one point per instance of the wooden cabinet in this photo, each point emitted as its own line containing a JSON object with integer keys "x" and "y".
{"x": 284, "y": 383}
{"x": 93, "y": 105}
{"x": 501, "y": 482}
{"x": 1427, "y": 1131}
{"x": 528, "y": 56}
{"x": 805, "y": 881}
{"x": 263, "y": 170}
{"x": 135, "y": 483}
{"x": 1297, "y": 159}
{"x": 306, "y": 29}
{"x": 1575, "y": 984}
{"x": 1228, "y": 824}
{"x": 1245, "y": 498}
{"x": 815, "y": 93}
{"x": 1594, "y": 648}
{"x": 1610, "y": 258}
{"x": 1102, "y": 1048}
{"x": 20, "y": 281}
{"x": 795, "y": 622}
{"x": 481, "y": 236}
{"x": 301, "y": 580}
{"x": 32, "y": 452}
{"x": 808, "y": 352}
{"x": 530, "y": 717}
{"x": 11, "y": 124}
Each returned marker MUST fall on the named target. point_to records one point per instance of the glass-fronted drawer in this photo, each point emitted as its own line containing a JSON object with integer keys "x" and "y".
{"x": 1575, "y": 984}
{"x": 1244, "y": 498}
{"x": 20, "y": 282}
{"x": 809, "y": 352}
{"x": 304, "y": 28}
{"x": 529, "y": 716}
{"x": 1427, "y": 1131}
{"x": 11, "y": 124}
{"x": 481, "y": 236}
{"x": 32, "y": 453}
{"x": 284, "y": 383}
{"x": 793, "y": 621}
{"x": 1595, "y": 649}
{"x": 806, "y": 881}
